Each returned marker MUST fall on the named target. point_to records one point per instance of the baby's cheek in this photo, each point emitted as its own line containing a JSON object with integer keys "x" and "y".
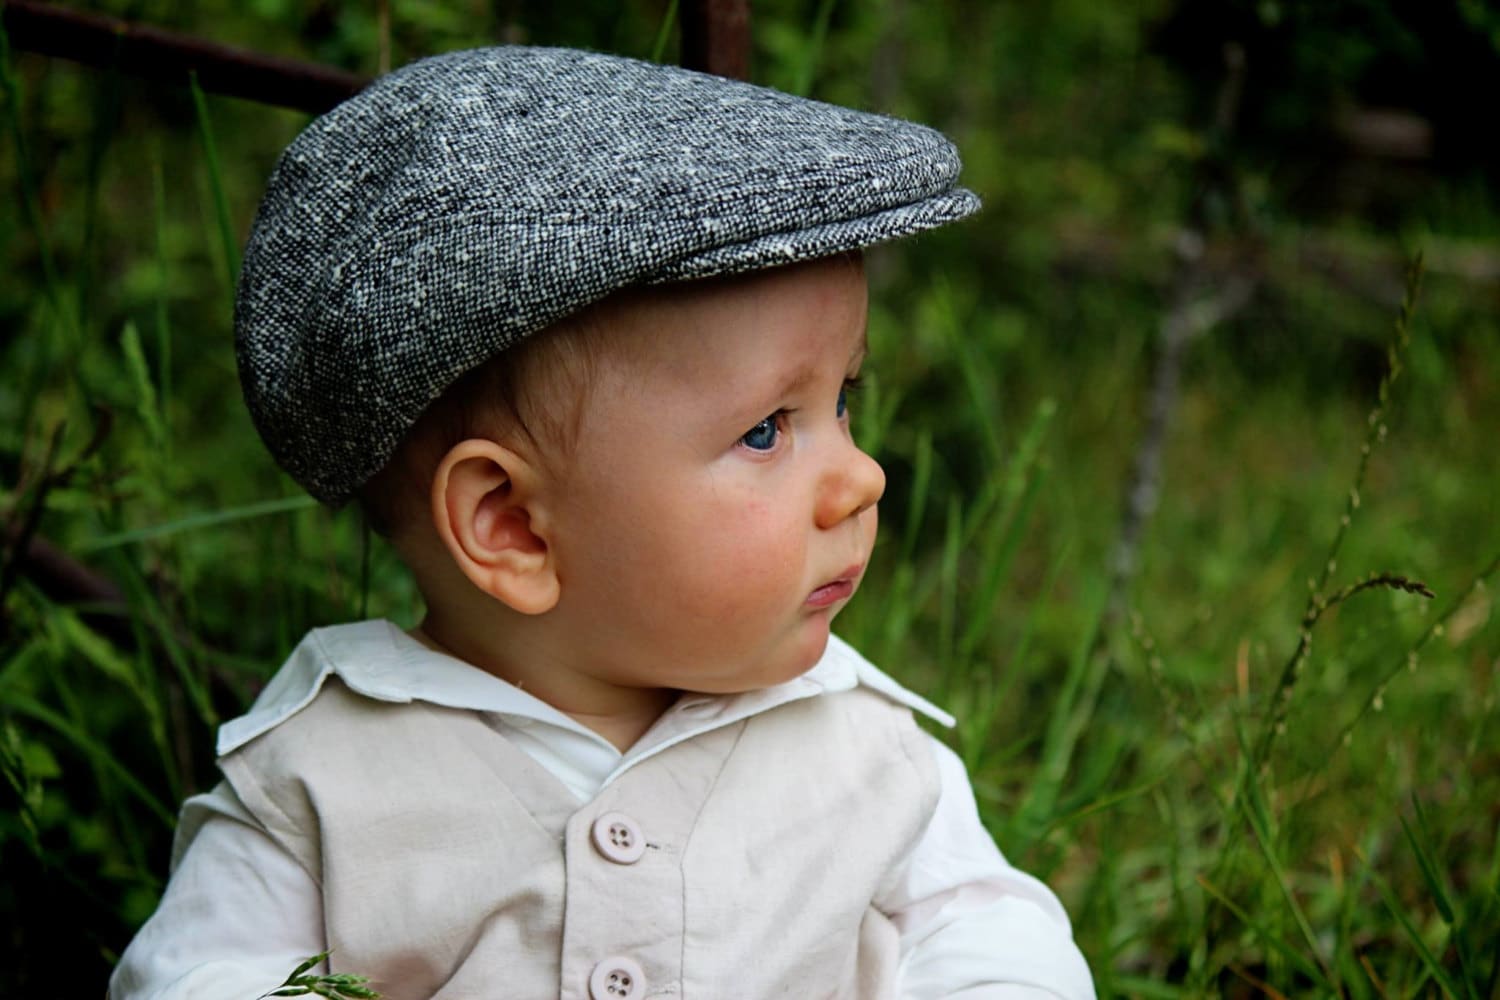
{"x": 745, "y": 570}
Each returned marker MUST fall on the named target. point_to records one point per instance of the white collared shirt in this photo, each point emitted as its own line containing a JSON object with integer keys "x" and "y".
{"x": 239, "y": 912}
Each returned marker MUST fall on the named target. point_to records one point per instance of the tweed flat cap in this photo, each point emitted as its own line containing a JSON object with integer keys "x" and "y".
{"x": 470, "y": 199}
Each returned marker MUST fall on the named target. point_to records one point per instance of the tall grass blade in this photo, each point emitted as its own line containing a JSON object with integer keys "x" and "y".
{"x": 1269, "y": 937}
{"x": 948, "y": 587}
{"x": 1417, "y": 840}
{"x": 162, "y": 627}
{"x": 1142, "y": 986}
{"x": 146, "y": 405}
{"x": 1420, "y": 840}
{"x": 105, "y": 111}
{"x": 98, "y": 653}
{"x": 1260, "y": 825}
{"x": 1067, "y": 720}
{"x": 1017, "y": 491}
{"x": 163, "y": 282}
{"x": 978, "y": 381}
{"x": 807, "y": 70}
{"x": 664, "y": 33}
{"x": 998, "y": 557}
{"x": 1430, "y": 963}
{"x": 921, "y": 489}
{"x": 230, "y": 245}
{"x": 195, "y": 522}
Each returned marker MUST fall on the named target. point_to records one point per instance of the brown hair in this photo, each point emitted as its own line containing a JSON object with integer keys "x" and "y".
{"x": 534, "y": 390}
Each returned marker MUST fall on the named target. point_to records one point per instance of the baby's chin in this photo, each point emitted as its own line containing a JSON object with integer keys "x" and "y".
{"x": 786, "y": 666}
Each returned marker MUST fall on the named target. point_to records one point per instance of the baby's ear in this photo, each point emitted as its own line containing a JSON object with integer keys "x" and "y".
{"x": 483, "y": 496}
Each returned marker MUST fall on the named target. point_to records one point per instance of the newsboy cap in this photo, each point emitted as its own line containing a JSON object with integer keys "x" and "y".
{"x": 468, "y": 200}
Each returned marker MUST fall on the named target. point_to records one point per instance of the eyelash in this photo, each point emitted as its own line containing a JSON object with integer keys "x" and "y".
{"x": 851, "y": 386}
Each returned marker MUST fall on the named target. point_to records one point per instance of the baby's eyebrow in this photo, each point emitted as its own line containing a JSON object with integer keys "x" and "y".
{"x": 805, "y": 374}
{"x": 794, "y": 381}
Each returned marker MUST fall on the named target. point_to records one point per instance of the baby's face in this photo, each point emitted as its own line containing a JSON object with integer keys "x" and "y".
{"x": 716, "y": 514}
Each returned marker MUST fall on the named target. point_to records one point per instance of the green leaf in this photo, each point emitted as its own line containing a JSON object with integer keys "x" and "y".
{"x": 307, "y": 963}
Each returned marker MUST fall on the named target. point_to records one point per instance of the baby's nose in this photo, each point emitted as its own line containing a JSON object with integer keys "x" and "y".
{"x": 854, "y": 483}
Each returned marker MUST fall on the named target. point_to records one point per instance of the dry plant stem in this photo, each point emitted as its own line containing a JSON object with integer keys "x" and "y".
{"x": 1318, "y": 602}
{"x": 1364, "y": 961}
{"x": 1188, "y": 317}
{"x": 17, "y": 536}
{"x": 1260, "y": 984}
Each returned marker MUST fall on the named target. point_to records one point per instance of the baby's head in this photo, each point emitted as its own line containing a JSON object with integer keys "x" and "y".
{"x": 578, "y": 332}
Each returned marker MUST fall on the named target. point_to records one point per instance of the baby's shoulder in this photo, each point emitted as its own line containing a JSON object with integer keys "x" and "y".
{"x": 364, "y": 658}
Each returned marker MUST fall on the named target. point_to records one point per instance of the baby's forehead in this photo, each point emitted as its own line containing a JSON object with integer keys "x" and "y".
{"x": 770, "y": 330}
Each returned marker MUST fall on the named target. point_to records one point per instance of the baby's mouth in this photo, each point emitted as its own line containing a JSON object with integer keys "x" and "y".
{"x": 835, "y": 590}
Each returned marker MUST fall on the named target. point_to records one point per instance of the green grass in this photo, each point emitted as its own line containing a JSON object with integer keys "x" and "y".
{"x": 1207, "y": 835}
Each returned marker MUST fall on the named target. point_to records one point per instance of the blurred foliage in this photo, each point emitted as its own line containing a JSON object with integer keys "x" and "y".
{"x": 1013, "y": 359}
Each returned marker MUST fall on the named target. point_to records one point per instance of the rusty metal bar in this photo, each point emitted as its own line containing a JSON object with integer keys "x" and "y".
{"x": 144, "y": 51}
{"x": 716, "y": 36}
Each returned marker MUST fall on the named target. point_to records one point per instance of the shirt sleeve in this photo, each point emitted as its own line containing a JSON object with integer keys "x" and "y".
{"x": 971, "y": 925}
{"x": 238, "y": 914}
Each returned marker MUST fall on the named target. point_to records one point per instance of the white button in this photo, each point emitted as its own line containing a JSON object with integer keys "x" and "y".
{"x": 618, "y": 838}
{"x": 617, "y": 977}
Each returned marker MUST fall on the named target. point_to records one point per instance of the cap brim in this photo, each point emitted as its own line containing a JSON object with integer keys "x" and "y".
{"x": 825, "y": 240}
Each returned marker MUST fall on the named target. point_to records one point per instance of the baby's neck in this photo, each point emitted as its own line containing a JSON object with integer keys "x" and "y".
{"x": 619, "y": 714}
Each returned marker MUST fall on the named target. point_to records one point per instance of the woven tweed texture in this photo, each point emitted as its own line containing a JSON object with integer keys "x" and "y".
{"x": 470, "y": 199}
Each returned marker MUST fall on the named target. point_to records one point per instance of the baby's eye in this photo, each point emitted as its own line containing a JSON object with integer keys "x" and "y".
{"x": 762, "y": 437}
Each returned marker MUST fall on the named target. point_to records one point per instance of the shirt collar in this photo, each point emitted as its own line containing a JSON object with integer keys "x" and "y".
{"x": 378, "y": 660}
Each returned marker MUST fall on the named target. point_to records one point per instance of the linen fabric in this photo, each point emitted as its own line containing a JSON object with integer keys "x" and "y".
{"x": 485, "y": 858}
{"x": 468, "y": 200}
{"x": 242, "y": 909}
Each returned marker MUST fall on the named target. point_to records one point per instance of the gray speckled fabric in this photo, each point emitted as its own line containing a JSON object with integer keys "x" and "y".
{"x": 468, "y": 200}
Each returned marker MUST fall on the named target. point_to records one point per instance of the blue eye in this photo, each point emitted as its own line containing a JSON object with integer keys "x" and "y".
{"x": 762, "y": 437}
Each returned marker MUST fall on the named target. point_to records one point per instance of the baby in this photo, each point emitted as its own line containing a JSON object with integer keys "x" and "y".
{"x": 578, "y": 333}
